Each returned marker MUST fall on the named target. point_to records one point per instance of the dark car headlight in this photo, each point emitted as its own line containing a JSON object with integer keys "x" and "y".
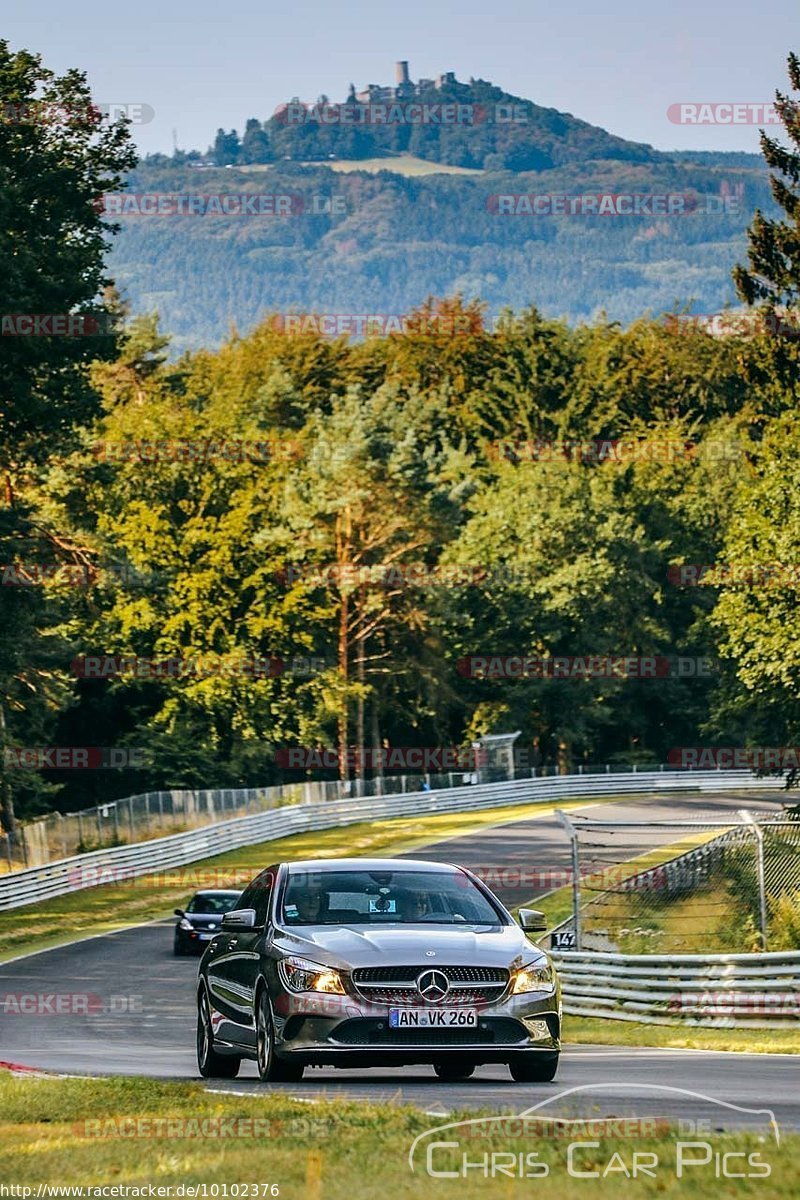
{"x": 299, "y": 975}
{"x": 534, "y": 977}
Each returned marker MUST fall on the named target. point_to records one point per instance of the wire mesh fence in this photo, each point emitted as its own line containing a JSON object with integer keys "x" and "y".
{"x": 678, "y": 887}
{"x": 154, "y": 814}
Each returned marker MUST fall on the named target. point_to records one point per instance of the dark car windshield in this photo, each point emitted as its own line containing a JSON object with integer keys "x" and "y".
{"x": 385, "y": 897}
{"x": 212, "y": 902}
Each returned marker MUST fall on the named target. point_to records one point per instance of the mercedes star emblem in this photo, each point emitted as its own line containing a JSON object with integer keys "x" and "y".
{"x": 433, "y": 985}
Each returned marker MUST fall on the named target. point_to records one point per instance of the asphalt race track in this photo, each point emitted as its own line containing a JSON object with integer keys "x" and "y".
{"x": 132, "y": 1011}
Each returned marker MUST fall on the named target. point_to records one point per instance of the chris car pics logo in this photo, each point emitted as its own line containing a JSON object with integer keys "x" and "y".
{"x": 666, "y": 1143}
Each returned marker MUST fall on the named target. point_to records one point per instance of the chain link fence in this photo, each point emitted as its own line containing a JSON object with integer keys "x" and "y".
{"x": 678, "y": 887}
{"x": 154, "y": 814}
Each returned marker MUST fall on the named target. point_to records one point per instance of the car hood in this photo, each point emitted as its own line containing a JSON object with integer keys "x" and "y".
{"x": 426, "y": 945}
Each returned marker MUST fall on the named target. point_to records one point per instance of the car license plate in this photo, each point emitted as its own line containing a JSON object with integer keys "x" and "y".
{"x": 433, "y": 1018}
{"x": 206, "y": 937}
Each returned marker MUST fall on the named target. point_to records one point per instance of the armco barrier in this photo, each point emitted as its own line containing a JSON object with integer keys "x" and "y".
{"x": 729, "y": 990}
{"x": 177, "y": 850}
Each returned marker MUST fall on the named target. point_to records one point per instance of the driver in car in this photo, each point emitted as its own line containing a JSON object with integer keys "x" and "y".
{"x": 308, "y": 903}
{"x": 415, "y": 906}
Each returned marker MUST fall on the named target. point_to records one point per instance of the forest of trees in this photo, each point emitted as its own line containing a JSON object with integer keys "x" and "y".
{"x": 365, "y": 243}
{"x": 385, "y": 508}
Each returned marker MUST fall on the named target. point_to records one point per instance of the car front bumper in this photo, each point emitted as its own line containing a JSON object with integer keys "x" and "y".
{"x": 343, "y": 1030}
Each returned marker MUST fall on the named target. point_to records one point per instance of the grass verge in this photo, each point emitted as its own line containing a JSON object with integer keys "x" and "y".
{"x": 135, "y": 1133}
{"x": 597, "y": 1031}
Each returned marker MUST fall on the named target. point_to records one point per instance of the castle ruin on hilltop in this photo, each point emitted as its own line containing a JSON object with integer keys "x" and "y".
{"x": 404, "y": 88}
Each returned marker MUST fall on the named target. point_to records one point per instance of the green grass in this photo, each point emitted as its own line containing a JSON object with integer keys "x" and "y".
{"x": 149, "y": 897}
{"x": 68, "y": 1132}
{"x": 400, "y": 164}
{"x": 606, "y": 1032}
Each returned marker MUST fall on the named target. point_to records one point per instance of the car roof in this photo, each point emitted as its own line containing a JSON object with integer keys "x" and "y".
{"x": 219, "y": 892}
{"x": 370, "y": 864}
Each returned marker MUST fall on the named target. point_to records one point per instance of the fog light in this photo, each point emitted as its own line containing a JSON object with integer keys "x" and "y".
{"x": 538, "y": 1029}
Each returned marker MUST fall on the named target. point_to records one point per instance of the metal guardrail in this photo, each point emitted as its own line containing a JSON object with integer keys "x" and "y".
{"x": 140, "y": 818}
{"x": 758, "y": 991}
{"x": 142, "y": 858}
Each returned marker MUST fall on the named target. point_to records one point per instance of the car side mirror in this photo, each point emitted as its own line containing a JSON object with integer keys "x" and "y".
{"x": 179, "y": 912}
{"x": 532, "y": 920}
{"x": 239, "y": 918}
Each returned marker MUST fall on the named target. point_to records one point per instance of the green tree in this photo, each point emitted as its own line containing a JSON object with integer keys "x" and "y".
{"x": 58, "y": 159}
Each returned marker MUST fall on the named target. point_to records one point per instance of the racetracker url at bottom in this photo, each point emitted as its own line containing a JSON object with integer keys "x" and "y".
{"x": 194, "y": 1191}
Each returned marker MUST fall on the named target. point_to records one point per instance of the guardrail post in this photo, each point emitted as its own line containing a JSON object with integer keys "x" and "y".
{"x": 750, "y": 820}
{"x": 572, "y": 834}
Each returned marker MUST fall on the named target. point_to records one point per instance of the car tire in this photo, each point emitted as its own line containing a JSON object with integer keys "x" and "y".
{"x": 452, "y": 1072}
{"x": 534, "y": 1068}
{"x": 210, "y": 1063}
{"x": 271, "y": 1069}
{"x": 178, "y": 949}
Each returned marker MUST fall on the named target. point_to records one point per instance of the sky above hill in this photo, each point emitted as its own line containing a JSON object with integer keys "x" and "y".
{"x": 204, "y": 64}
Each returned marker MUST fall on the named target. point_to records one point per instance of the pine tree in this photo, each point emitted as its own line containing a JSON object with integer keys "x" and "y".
{"x": 774, "y": 245}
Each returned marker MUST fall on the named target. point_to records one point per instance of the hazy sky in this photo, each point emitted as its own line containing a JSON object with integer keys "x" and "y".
{"x": 203, "y": 64}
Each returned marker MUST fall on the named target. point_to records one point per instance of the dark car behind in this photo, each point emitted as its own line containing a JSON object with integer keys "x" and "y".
{"x": 201, "y": 920}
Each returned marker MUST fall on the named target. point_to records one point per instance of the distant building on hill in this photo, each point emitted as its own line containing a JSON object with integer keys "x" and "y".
{"x": 404, "y": 89}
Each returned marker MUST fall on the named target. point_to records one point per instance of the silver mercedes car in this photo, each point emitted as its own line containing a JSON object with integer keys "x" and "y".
{"x": 375, "y": 963}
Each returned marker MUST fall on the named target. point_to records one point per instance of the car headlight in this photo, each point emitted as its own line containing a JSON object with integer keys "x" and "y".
{"x": 299, "y": 975}
{"x": 184, "y": 924}
{"x": 534, "y": 978}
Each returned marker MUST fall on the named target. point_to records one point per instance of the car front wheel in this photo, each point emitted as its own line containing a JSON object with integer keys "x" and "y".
{"x": 211, "y": 1064}
{"x": 534, "y": 1068}
{"x": 271, "y": 1069}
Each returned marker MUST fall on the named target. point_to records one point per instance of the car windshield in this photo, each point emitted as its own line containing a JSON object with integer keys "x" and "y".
{"x": 212, "y": 902}
{"x": 386, "y": 897}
